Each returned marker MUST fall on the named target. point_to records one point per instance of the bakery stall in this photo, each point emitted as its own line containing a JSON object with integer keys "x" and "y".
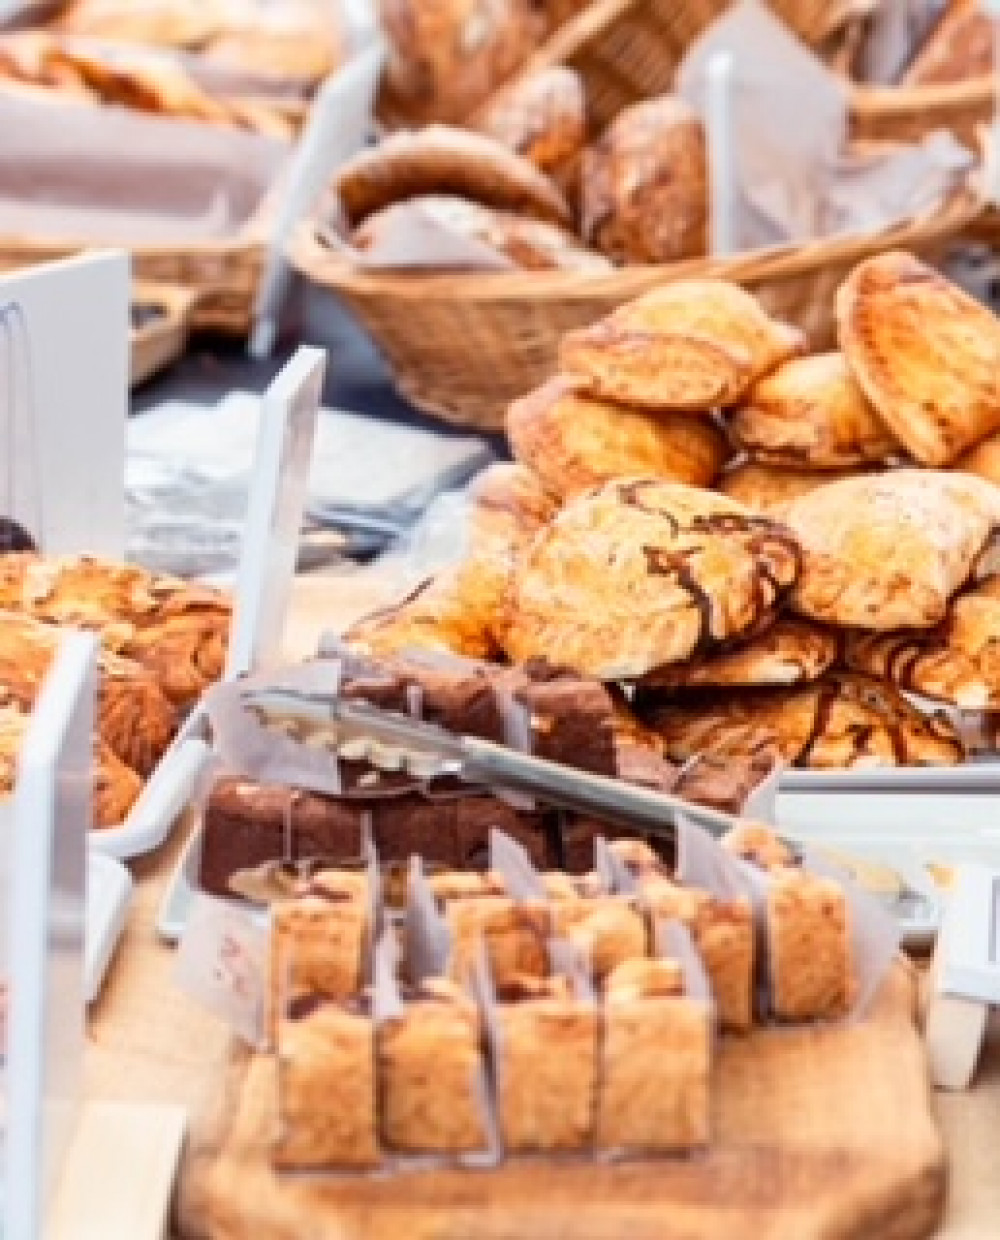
{"x": 505, "y": 741}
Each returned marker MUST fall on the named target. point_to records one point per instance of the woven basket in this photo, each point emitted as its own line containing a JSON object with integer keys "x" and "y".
{"x": 463, "y": 345}
{"x": 163, "y": 339}
{"x": 909, "y": 113}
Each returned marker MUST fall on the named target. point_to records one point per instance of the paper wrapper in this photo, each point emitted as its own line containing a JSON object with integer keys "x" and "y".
{"x": 99, "y": 175}
{"x": 797, "y": 182}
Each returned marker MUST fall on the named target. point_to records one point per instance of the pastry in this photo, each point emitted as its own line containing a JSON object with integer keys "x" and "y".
{"x": 788, "y": 652}
{"x": 960, "y": 48}
{"x": 766, "y": 488}
{"x": 725, "y": 776}
{"x": 644, "y": 184}
{"x": 287, "y": 48}
{"x": 811, "y": 414}
{"x": 809, "y": 948}
{"x": 983, "y": 460}
{"x": 444, "y": 57}
{"x": 182, "y": 24}
{"x": 887, "y": 551}
{"x": 514, "y": 936}
{"x": 574, "y": 441}
{"x": 957, "y": 661}
{"x": 437, "y": 615}
{"x": 924, "y": 353}
{"x": 692, "y": 345}
{"x": 759, "y": 845}
{"x": 639, "y": 573}
{"x": 116, "y": 788}
{"x": 542, "y": 117}
{"x": 654, "y": 1066}
{"x": 444, "y": 161}
{"x": 545, "y": 1062}
{"x": 326, "y": 1085}
{"x": 644, "y": 978}
{"x": 607, "y": 930}
{"x": 455, "y": 831}
{"x": 430, "y": 1074}
{"x": 841, "y": 720}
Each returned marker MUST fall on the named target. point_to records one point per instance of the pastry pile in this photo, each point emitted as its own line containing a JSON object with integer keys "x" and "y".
{"x": 757, "y": 546}
{"x": 579, "y": 1020}
{"x": 163, "y": 643}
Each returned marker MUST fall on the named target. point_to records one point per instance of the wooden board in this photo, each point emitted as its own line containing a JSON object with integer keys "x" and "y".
{"x": 821, "y": 1134}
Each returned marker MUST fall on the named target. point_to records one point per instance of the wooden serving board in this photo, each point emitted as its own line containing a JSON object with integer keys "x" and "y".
{"x": 821, "y": 1134}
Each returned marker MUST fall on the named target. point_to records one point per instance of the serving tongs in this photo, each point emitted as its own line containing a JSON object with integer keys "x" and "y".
{"x": 394, "y": 742}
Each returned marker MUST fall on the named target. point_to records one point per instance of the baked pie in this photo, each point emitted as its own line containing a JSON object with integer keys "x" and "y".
{"x": 768, "y": 488}
{"x": 810, "y": 413}
{"x": 641, "y": 573}
{"x": 574, "y": 441}
{"x": 925, "y": 354}
{"x": 888, "y": 551}
{"x": 693, "y": 345}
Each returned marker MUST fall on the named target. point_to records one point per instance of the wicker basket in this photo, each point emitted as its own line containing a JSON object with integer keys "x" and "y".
{"x": 163, "y": 339}
{"x": 463, "y": 345}
{"x": 909, "y": 113}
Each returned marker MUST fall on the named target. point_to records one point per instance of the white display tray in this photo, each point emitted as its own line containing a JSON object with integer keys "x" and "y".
{"x": 164, "y": 798}
{"x": 109, "y": 894}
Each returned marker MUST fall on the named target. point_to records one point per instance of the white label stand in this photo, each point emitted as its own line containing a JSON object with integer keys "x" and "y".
{"x": 719, "y": 141}
{"x": 965, "y": 977}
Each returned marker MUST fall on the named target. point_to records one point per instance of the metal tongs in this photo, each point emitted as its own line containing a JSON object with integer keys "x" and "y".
{"x": 395, "y": 742}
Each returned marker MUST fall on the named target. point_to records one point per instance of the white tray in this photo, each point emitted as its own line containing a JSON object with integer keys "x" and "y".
{"x": 164, "y": 798}
{"x": 109, "y": 894}
{"x": 176, "y": 903}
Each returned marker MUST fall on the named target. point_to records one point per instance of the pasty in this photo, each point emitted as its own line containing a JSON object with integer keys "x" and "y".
{"x": 768, "y": 488}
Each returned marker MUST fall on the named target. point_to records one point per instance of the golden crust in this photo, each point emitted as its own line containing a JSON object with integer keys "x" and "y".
{"x": 644, "y": 185}
{"x": 888, "y": 551}
{"x": 542, "y": 117}
{"x": 767, "y": 488}
{"x": 438, "y": 615}
{"x": 639, "y": 573}
{"x": 444, "y": 161}
{"x": 982, "y": 460}
{"x": 811, "y": 414}
{"x": 842, "y": 720}
{"x": 694, "y": 345}
{"x": 925, "y": 354}
{"x": 574, "y": 441}
{"x": 791, "y": 651}
{"x": 808, "y": 937}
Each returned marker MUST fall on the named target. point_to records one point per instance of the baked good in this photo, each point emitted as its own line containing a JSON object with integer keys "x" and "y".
{"x": 456, "y": 831}
{"x": 525, "y": 243}
{"x": 692, "y": 345}
{"x": 444, "y": 57}
{"x": 644, "y": 978}
{"x": 284, "y": 46}
{"x": 454, "y": 162}
{"x": 644, "y": 184}
{"x": 319, "y": 938}
{"x": 768, "y": 488}
{"x": 430, "y": 1074}
{"x": 607, "y": 929}
{"x": 957, "y": 661}
{"x": 514, "y": 936}
{"x": 545, "y": 1064}
{"x": 542, "y": 116}
{"x": 438, "y": 614}
{"x": 811, "y": 414}
{"x": 574, "y": 441}
{"x": 959, "y": 48}
{"x": 759, "y": 845}
{"x": 725, "y": 776}
{"x": 935, "y": 389}
{"x": 809, "y": 947}
{"x": 326, "y": 1085}
{"x": 640, "y": 573}
{"x": 117, "y": 787}
{"x": 788, "y": 652}
{"x": 888, "y": 551}
{"x": 654, "y": 1065}
{"x": 186, "y": 24}
{"x": 983, "y": 459}
{"x": 840, "y": 720}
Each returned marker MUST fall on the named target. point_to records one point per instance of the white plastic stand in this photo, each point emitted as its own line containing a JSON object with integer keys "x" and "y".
{"x": 719, "y": 143}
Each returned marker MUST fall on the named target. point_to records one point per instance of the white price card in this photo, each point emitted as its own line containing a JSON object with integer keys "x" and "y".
{"x": 45, "y": 921}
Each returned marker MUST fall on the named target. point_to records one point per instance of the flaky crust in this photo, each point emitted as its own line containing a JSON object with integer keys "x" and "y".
{"x": 811, "y": 414}
{"x": 768, "y": 488}
{"x": 924, "y": 353}
{"x": 453, "y": 162}
{"x": 644, "y": 185}
{"x": 574, "y": 441}
{"x": 791, "y": 651}
{"x": 439, "y": 614}
{"x": 514, "y": 936}
{"x": 607, "y": 929}
{"x": 693, "y": 345}
{"x": 639, "y": 573}
{"x": 887, "y": 551}
{"x": 542, "y": 117}
{"x": 840, "y": 721}
{"x": 958, "y": 661}
{"x": 809, "y": 949}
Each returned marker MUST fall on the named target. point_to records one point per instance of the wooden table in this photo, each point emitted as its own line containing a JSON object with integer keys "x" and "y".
{"x": 149, "y": 1043}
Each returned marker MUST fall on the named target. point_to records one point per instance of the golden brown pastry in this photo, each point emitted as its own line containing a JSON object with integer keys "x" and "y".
{"x": 451, "y": 162}
{"x": 644, "y": 978}
{"x": 607, "y": 930}
{"x": 809, "y": 947}
{"x": 528, "y": 244}
{"x": 889, "y": 550}
{"x": 440, "y": 614}
{"x": 573, "y": 441}
{"x": 959, "y": 48}
{"x": 644, "y": 185}
{"x": 693, "y": 345}
{"x": 542, "y": 117}
{"x": 811, "y": 414}
{"x": 286, "y": 47}
{"x": 924, "y": 353}
{"x": 446, "y": 56}
{"x": 958, "y": 661}
{"x": 983, "y": 460}
{"x": 766, "y": 488}
{"x": 842, "y": 720}
{"x": 788, "y": 652}
{"x": 760, "y": 845}
{"x": 116, "y": 788}
{"x": 514, "y": 936}
{"x": 639, "y": 573}
{"x": 186, "y": 24}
